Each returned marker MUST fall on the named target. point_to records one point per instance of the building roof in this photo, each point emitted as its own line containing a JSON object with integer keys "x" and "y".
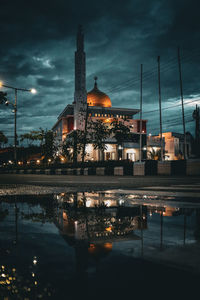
{"x": 68, "y": 110}
{"x": 113, "y": 110}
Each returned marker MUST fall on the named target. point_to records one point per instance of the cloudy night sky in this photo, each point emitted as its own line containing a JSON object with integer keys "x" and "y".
{"x": 38, "y": 40}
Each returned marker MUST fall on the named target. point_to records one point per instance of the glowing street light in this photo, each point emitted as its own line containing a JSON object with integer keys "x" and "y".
{"x": 33, "y": 91}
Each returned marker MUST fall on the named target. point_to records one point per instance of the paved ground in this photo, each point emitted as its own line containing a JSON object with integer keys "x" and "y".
{"x": 151, "y": 185}
{"x": 97, "y": 181}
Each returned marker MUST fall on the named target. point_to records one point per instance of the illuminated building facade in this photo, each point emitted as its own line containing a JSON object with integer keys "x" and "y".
{"x": 97, "y": 106}
{"x": 173, "y": 144}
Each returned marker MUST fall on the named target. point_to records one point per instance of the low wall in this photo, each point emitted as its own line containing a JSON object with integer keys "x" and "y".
{"x": 70, "y": 171}
{"x": 164, "y": 168}
{"x": 85, "y": 171}
{"x": 100, "y": 171}
{"x": 118, "y": 171}
{"x": 189, "y": 167}
{"x": 172, "y": 167}
{"x": 193, "y": 167}
{"x": 139, "y": 169}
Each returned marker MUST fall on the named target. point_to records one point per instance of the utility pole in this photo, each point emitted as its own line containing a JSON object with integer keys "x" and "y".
{"x": 85, "y": 134}
{"x": 183, "y": 114}
{"x": 160, "y": 109}
{"x": 141, "y": 112}
{"x": 196, "y": 116}
{"x": 15, "y": 132}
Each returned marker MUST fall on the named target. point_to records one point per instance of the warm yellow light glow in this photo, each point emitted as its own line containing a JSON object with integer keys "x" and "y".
{"x": 38, "y": 161}
{"x": 33, "y": 91}
{"x": 49, "y": 160}
{"x": 108, "y": 229}
{"x": 1, "y": 84}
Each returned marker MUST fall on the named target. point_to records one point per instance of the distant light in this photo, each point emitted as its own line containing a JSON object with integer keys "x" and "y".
{"x": 33, "y": 91}
{"x": 109, "y": 228}
{"x": 35, "y": 260}
{"x": 38, "y": 161}
{"x": 121, "y": 202}
{"x": 1, "y": 84}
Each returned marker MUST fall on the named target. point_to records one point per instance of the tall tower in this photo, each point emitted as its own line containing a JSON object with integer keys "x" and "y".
{"x": 80, "y": 94}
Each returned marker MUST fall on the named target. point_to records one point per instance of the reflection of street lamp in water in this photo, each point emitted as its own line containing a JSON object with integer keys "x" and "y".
{"x": 16, "y": 223}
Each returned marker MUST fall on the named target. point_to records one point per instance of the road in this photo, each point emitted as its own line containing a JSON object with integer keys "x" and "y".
{"x": 184, "y": 183}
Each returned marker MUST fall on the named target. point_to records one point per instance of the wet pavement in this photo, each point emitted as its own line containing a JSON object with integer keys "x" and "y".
{"x": 109, "y": 245}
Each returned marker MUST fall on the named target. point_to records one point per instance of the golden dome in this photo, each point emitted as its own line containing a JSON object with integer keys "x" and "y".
{"x": 97, "y": 98}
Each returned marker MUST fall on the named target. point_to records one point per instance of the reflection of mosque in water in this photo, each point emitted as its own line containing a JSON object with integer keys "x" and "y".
{"x": 92, "y": 221}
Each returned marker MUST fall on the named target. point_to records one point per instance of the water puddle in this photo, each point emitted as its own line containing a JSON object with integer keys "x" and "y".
{"x": 70, "y": 244}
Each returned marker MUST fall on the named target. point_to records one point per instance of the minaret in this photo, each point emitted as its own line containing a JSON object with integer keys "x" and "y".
{"x": 80, "y": 94}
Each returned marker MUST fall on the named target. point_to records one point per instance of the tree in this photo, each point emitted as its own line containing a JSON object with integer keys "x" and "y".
{"x": 46, "y": 140}
{"x": 98, "y": 133}
{"x": 121, "y": 133}
{"x": 3, "y": 138}
{"x": 66, "y": 149}
{"x": 156, "y": 154}
{"x": 48, "y": 147}
{"x": 73, "y": 145}
{"x": 3, "y": 98}
{"x": 34, "y": 136}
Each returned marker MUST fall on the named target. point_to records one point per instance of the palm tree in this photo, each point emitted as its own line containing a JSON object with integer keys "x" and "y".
{"x": 121, "y": 133}
{"x": 98, "y": 133}
{"x": 154, "y": 154}
{"x": 74, "y": 145}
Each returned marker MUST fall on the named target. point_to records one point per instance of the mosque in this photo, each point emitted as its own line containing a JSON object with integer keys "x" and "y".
{"x": 99, "y": 107}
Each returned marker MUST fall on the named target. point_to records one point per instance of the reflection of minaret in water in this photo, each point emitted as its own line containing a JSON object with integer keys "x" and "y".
{"x": 80, "y": 94}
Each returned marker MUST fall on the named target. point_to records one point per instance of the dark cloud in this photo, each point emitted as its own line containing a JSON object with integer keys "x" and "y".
{"x": 38, "y": 44}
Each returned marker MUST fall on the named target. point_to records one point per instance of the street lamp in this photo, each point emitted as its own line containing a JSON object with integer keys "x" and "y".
{"x": 33, "y": 91}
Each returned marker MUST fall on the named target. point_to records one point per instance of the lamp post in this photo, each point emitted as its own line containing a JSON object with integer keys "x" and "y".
{"x": 33, "y": 91}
